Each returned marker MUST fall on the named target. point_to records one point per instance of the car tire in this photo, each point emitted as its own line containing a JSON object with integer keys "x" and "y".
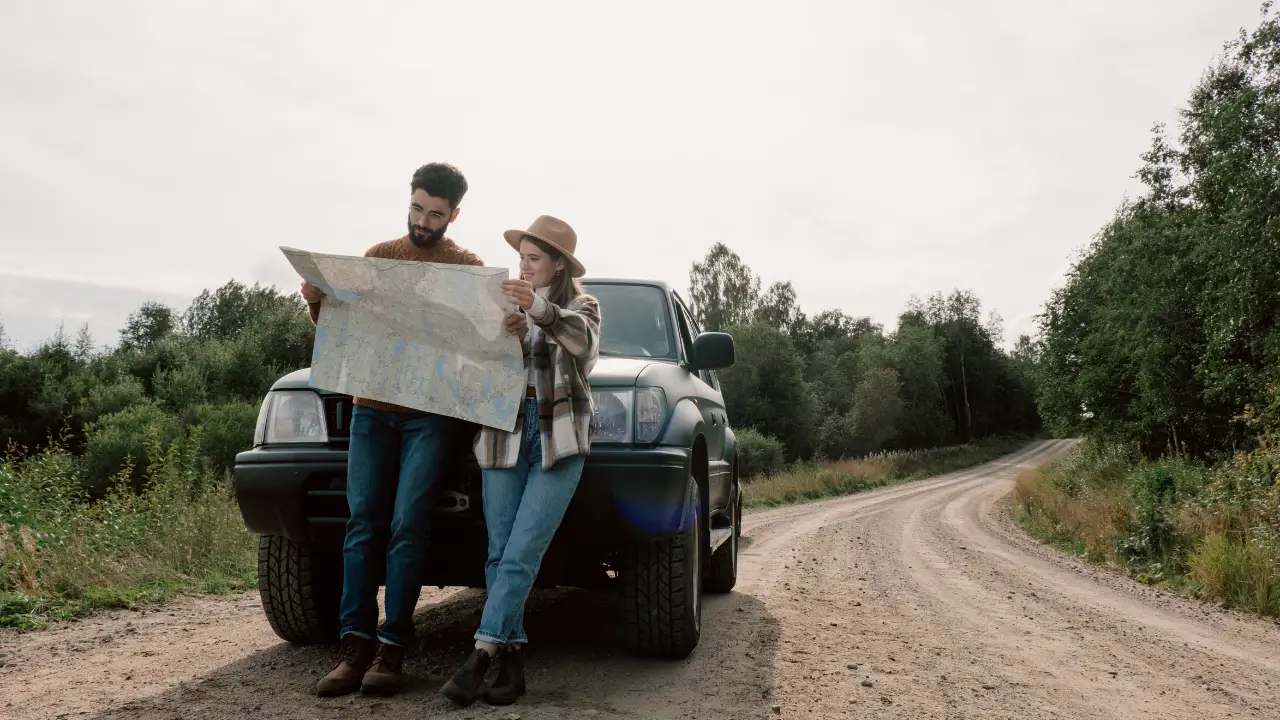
{"x": 662, "y": 598}
{"x": 300, "y": 586}
{"x": 723, "y": 573}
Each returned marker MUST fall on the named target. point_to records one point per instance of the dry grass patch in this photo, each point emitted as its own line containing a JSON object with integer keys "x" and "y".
{"x": 1091, "y": 524}
{"x": 806, "y": 482}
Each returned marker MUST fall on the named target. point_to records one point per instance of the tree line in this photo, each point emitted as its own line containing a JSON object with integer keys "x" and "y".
{"x": 835, "y": 385}
{"x": 190, "y": 379}
{"x": 1163, "y": 349}
{"x": 1167, "y": 329}
{"x": 827, "y": 386}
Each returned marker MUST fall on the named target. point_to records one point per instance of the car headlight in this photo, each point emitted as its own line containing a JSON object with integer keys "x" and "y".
{"x": 651, "y": 413}
{"x": 291, "y": 416}
{"x": 631, "y": 415}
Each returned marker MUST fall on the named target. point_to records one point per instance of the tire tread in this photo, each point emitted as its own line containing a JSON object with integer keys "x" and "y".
{"x": 655, "y": 588}
{"x": 297, "y": 591}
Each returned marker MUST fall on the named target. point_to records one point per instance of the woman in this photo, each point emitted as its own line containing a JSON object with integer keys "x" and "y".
{"x": 530, "y": 474}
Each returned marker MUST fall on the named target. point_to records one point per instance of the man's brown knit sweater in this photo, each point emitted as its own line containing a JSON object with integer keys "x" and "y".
{"x": 444, "y": 251}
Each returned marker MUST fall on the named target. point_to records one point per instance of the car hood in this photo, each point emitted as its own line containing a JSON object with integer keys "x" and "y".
{"x": 618, "y": 371}
{"x": 608, "y": 372}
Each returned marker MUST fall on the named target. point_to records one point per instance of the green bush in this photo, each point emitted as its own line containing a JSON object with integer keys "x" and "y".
{"x": 171, "y": 351}
{"x": 1157, "y": 490}
{"x": 759, "y": 454}
{"x": 119, "y": 441}
{"x": 113, "y": 397}
{"x": 837, "y": 438}
{"x": 224, "y": 431}
{"x": 765, "y": 388}
{"x": 241, "y": 371}
{"x": 1245, "y": 575}
{"x": 46, "y": 494}
{"x": 181, "y": 388}
{"x": 1092, "y": 466}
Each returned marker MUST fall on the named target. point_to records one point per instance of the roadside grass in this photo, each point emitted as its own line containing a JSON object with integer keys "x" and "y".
{"x": 808, "y": 481}
{"x": 1205, "y": 531}
{"x": 63, "y": 555}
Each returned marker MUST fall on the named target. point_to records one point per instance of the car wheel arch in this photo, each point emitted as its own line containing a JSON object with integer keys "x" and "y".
{"x": 685, "y": 426}
{"x": 701, "y": 471}
{"x": 731, "y": 445}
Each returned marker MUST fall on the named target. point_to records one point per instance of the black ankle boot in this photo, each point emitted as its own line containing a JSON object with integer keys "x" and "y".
{"x": 509, "y": 685}
{"x": 468, "y": 682}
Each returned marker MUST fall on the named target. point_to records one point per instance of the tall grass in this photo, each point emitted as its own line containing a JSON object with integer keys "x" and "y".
{"x": 1212, "y": 531}
{"x": 62, "y": 555}
{"x": 806, "y": 481}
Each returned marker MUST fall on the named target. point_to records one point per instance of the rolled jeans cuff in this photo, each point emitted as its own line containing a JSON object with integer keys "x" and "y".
{"x": 387, "y": 640}
{"x": 485, "y": 637}
{"x": 352, "y": 631}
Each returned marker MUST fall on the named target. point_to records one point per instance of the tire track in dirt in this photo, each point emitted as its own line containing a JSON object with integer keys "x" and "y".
{"x": 919, "y": 600}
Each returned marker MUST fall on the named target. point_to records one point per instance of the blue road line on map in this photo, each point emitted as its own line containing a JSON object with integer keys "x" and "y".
{"x": 505, "y": 410}
{"x": 443, "y": 377}
{"x": 448, "y": 381}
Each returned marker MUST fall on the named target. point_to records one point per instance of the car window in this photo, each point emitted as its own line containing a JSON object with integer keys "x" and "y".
{"x": 634, "y": 320}
{"x": 709, "y": 378}
{"x": 694, "y": 328}
{"x": 693, "y": 331}
{"x": 686, "y": 335}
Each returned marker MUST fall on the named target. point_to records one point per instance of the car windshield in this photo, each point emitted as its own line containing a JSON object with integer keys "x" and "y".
{"x": 634, "y": 320}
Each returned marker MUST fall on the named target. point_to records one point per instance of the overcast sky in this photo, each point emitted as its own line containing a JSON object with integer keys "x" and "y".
{"x": 864, "y": 151}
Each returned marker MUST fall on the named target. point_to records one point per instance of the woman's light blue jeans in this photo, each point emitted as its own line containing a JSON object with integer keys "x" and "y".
{"x": 523, "y": 507}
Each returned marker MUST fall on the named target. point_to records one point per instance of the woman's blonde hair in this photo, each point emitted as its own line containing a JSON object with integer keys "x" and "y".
{"x": 564, "y": 287}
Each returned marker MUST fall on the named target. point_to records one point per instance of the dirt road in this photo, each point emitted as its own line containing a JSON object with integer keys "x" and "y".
{"x": 919, "y": 601}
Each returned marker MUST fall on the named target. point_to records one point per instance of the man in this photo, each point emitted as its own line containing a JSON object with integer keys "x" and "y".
{"x": 393, "y": 474}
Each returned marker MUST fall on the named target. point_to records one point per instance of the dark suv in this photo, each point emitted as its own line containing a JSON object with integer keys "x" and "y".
{"x": 656, "y": 515}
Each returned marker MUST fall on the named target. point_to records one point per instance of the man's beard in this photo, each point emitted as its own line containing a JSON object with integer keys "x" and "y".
{"x": 424, "y": 238}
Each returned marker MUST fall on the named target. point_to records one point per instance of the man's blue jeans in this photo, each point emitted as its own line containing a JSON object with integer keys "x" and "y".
{"x": 523, "y": 507}
{"x": 394, "y": 478}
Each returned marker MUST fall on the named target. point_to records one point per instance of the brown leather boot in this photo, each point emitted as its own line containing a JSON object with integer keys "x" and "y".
{"x": 386, "y": 675}
{"x": 468, "y": 682}
{"x": 354, "y": 657}
{"x": 509, "y": 685}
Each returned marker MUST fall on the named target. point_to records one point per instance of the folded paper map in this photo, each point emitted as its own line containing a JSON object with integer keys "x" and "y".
{"x": 422, "y": 335}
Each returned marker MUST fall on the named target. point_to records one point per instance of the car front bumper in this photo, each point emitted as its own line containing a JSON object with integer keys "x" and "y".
{"x": 626, "y": 492}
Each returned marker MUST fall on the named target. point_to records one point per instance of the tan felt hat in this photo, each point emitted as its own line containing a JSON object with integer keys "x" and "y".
{"x": 554, "y": 232}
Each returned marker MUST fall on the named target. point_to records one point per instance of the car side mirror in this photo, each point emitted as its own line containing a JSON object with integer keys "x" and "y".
{"x": 712, "y": 351}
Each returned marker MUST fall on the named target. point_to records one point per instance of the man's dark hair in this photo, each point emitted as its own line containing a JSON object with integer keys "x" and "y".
{"x": 440, "y": 180}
